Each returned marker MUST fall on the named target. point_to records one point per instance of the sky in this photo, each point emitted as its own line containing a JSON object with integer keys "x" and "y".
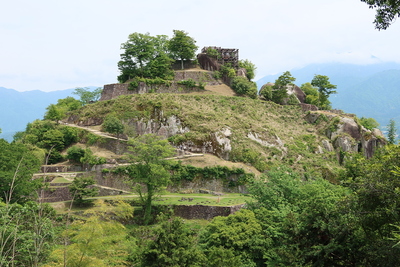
{"x": 55, "y": 45}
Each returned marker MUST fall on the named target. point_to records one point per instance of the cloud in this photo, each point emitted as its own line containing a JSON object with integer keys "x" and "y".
{"x": 50, "y": 45}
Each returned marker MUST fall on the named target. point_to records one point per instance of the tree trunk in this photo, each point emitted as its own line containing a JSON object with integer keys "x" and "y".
{"x": 182, "y": 63}
{"x": 147, "y": 211}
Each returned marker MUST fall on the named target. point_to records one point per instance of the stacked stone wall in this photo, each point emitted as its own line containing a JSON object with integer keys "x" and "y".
{"x": 204, "y": 212}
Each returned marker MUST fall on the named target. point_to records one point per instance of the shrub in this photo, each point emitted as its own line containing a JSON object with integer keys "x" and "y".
{"x": 266, "y": 92}
{"x": 190, "y": 83}
{"x": 243, "y": 86}
{"x": 75, "y": 153}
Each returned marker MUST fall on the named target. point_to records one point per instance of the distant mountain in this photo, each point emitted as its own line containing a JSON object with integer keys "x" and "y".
{"x": 19, "y": 108}
{"x": 371, "y": 91}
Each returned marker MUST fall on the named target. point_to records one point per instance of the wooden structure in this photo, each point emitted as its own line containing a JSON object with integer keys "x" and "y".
{"x": 225, "y": 55}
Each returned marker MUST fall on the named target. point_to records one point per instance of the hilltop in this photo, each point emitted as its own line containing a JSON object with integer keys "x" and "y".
{"x": 254, "y": 132}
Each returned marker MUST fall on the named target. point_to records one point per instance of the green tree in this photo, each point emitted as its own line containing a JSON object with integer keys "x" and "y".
{"x": 392, "y": 132}
{"x": 249, "y": 67}
{"x": 280, "y": 87}
{"x": 241, "y": 233}
{"x": 18, "y": 164}
{"x": 325, "y": 89}
{"x": 71, "y": 134}
{"x": 147, "y": 154}
{"x": 87, "y": 96}
{"x": 386, "y": 12}
{"x": 113, "y": 125}
{"x": 75, "y": 153}
{"x": 144, "y": 56}
{"x": 53, "y": 138}
{"x": 53, "y": 113}
{"x": 312, "y": 94}
{"x": 56, "y": 112}
{"x": 26, "y": 233}
{"x": 172, "y": 244}
{"x": 69, "y": 103}
{"x": 375, "y": 183}
{"x": 81, "y": 188}
{"x": 306, "y": 223}
{"x": 369, "y": 123}
{"x": 182, "y": 46}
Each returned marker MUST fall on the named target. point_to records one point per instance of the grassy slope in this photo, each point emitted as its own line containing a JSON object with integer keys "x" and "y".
{"x": 206, "y": 114}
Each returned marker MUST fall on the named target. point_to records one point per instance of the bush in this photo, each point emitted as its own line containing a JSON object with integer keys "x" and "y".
{"x": 75, "y": 153}
{"x": 369, "y": 123}
{"x": 266, "y": 92}
{"x": 190, "y": 83}
{"x": 113, "y": 125}
{"x": 243, "y": 86}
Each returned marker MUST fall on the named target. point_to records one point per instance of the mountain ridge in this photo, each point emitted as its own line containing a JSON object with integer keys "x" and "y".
{"x": 17, "y": 108}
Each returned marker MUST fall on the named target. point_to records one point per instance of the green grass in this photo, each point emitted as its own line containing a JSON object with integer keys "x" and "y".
{"x": 202, "y": 199}
{"x": 61, "y": 180}
{"x": 228, "y": 199}
{"x": 283, "y": 129}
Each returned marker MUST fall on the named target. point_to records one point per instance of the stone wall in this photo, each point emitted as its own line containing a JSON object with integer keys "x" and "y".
{"x": 120, "y": 182}
{"x": 204, "y": 212}
{"x": 111, "y": 91}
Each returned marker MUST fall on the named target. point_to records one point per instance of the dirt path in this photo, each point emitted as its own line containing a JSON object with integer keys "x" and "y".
{"x": 94, "y": 131}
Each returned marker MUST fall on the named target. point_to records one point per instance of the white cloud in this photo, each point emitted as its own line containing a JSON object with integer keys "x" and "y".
{"x": 53, "y": 45}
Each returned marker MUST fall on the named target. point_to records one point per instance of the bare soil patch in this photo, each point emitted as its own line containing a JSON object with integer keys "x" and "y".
{"x": 221, "y": 89}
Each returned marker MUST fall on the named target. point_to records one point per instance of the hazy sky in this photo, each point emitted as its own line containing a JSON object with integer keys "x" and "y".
{"x": 53, "y": 45}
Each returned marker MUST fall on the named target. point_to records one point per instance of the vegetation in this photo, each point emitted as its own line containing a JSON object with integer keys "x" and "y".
{"x": 386, "y": 12}
{"x": 392, "y": 136}
{"x": 113, "y": 125}
{"x": 369, "y": 123}
{"x": 278, "y": 92}
{"x": 145, "y": 56}
{"x": 182, "y": 46}
{"x": 325, "y": 89}
{"x": 18, "y": 164}
{"x": 56, "y": 112}
{"x": 249, "y": 67}
{"x": 243, "y": 86}
{"x": 304, "y": 209}
{"x": 203, "y": 115}
{"x": 147, "y": 155}
{"x": 86, "y": 96}
{"x": 49, "y": 138}
{"x": 81, "y": 189}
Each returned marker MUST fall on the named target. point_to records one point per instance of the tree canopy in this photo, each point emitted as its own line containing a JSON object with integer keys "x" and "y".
{"x": 18, "y": 164}
{"x": 147, "y": 154}
{"x": 386, "y": 12}
{"x": 392, "y": 129}
{"x": 145, "y": 56}
{"x": 113, "y": 125}
{"x": 182, "y": 46}
{"x": 249, "y": 67}
{"x": 87, "y": 96}
{"x": 325, "y": 89}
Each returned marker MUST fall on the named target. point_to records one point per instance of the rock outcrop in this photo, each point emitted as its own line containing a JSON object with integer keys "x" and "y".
{"x": 346, "y": 134}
